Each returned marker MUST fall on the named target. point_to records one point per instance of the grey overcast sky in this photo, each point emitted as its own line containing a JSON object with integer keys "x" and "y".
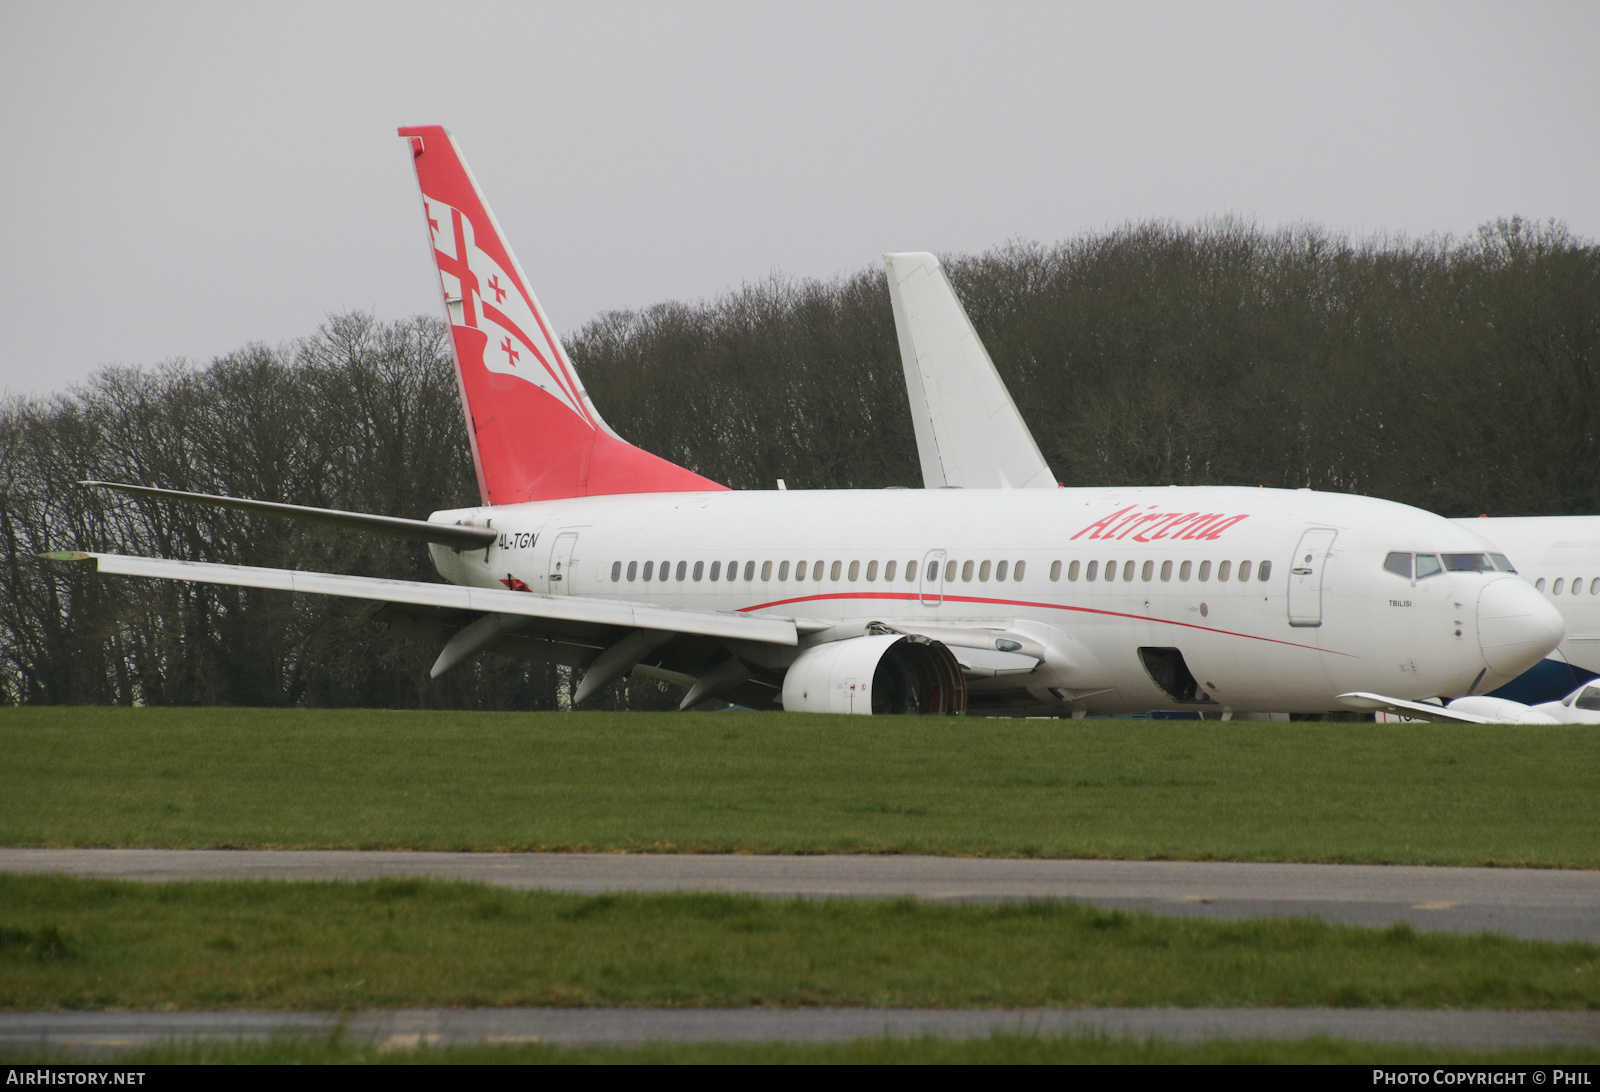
{"x": 181, "y": 179}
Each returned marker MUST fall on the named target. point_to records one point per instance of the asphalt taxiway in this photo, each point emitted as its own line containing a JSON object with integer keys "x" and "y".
{"x": 1543, "y": 904}
{"x": 109, "y": 1033}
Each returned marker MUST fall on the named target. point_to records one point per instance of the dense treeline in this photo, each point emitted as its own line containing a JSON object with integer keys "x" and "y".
{"x": 362, "y": 416}
{"x": 1458, "y": 375}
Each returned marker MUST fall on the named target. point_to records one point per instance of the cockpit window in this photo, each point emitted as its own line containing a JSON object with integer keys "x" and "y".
{"x": 1589, "y": 699}
{"x": 1502, "y": 563}
{"x": 1399, "y": 564}
{"x": 1468, "y": 563}
{"x": 1428, "y": 565}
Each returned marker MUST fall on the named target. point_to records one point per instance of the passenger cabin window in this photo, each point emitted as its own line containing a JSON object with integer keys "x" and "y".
{"x": 816, "y": 570}
{"x": 834, "y": 575}
{"x": 716, "y": 570}
{"x": 1148, "y": 572}
{"x": 1539, "y": 583}
{"x": 616, "y": 571}
{"x": 888, "y": 571}
{"x": 799, "y": 570}
{"x": 1019, "y": 568}
{"x": 683, "y": 570}
{"x": 633, "y": 571}
{"x": 855, "y": 570}
{"x": 1399, "y": 564}
{"x": 1555, "y": 589}
{"x": 872, "y": 571}
{"x": 666, "y": 571}
{"x": 1264, "y": 573}
{"x": 1127, "y": 570}
{"x": 1166, "y": 571}
{"x": 649, "y": 569}
{"x": 911, "y": 571}
{"x": 766, "y": 570}
{"x": 1594, "y": 586}
{"x": 1577, "y": 585}
{"x": 1091, "y": 571}
{"x": 1428, "y": 565}
{"x": 950, "y": 572}
{"x": 983, "y": 573}
{"x": 1184, "y": 570}
{"x": 1244, "y": 571}
{"x": 1205, "y": 571}
{"x": 783, "y": 570}
{"x": 1223, "y": 568}
{"x": 1055, "y": 571}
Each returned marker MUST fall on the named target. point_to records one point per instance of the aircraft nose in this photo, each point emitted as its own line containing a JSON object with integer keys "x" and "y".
{"x": 1517, "y": 626}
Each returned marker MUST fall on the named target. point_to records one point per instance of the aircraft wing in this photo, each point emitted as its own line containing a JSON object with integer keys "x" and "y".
{"x": 1416, "y": 709}
{"x": 555, "y": 608}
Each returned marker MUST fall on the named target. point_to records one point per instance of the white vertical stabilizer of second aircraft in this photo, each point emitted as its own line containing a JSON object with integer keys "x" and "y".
{"x": 949, "y": 372}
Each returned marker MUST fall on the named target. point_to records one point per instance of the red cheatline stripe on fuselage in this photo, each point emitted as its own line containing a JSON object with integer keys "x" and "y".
{"x": 912, "y": 596}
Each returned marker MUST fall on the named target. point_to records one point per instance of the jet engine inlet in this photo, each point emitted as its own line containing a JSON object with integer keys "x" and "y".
{"x": 879, "y": 674}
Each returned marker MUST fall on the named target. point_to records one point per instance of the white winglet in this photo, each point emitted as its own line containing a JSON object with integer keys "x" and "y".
{"x": 969, "y": 433}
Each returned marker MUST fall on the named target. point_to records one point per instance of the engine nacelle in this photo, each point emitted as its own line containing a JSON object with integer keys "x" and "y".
{"x": 891, "y": 673}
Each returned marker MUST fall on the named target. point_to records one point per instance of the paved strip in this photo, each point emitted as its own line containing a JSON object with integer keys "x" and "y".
{"x": 116, "y": 1032}
{"x": 1545, "y": 904}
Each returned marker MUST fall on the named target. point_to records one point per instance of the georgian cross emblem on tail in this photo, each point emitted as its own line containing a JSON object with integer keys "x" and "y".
{"x": 535, "y": 434}
{"x": 465, "y": 271}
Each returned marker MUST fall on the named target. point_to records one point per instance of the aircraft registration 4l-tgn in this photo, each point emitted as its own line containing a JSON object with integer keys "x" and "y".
{"x": 593, "y": 553}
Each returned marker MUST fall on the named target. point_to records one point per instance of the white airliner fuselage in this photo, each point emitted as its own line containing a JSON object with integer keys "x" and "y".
{"x": 592, "y": 553}
{"x": 1276, "y": 600}
{"x": 1560, "y": 556}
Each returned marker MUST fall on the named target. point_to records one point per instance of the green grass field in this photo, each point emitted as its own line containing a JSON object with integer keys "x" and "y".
{"x": 767, "y": 782}
{"x": 68, "y": 943}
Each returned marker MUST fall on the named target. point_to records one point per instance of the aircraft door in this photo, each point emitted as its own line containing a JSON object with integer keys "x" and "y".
{"x": 560, "y": 574}
{"x": 932, "y": 587}
{"x": 1305, "y": 576}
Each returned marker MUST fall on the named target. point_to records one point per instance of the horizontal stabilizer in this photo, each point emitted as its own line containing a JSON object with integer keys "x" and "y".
{"x": 418, "y": 530}
{"x": 562, "y": 608}
{"x": 969, "y": 433}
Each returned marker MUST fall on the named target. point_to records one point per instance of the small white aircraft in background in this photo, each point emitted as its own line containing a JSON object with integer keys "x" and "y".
{"x": 970, "y": 434}
{"x": 1582, "y": 706}
{"x": 592, "y": 553}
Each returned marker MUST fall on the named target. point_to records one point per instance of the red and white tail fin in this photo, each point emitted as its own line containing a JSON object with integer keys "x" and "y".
{"x": 535, "y": 434}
